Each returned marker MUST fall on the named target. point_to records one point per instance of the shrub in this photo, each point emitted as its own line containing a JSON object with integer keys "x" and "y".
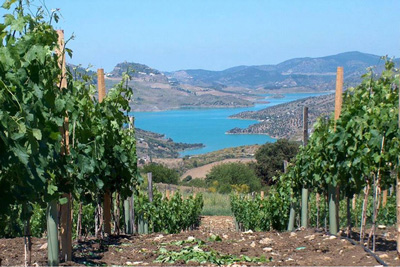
{"x": 195, "y": 183}
{"x": 223, "y": 176}
{"x": 162, "y": 174}
{"x": 270, "y": 157}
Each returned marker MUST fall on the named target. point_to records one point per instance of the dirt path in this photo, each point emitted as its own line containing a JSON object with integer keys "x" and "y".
{"x": 217, "y": 235}
{"x": 217, "y": 224}
{"x": 201, "y": 172}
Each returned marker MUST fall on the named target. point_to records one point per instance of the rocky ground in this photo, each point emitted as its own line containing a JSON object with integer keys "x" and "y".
{"x": 216, "y": 242}
{"x": 286, "y": 120}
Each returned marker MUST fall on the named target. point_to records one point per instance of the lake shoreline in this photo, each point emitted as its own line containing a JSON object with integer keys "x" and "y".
{"x": 209, "y": 126}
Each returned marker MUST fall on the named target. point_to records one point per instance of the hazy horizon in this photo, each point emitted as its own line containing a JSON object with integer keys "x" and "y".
{"x": 267, "y": 63}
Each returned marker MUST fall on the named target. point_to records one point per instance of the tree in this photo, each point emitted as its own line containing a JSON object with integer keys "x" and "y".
{"x": 223, "y": 176}
{"x": 270, "y": 157}
{"x": 162, "y": 174}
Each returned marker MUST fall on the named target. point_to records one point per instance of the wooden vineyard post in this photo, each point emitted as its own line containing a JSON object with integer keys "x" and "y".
{"x": 98, "y": 218}
{"x": 333, "y": 193}
{"x": 132, "y": 199}
{"x": 101, "y": 86}
{"x": 107, "y": 213}
{"x": 79, "y": 223}
{"x": 304, "y": 191}
{"x": 262, "y": 195}
{"x": 364, "y": 212}
{"x": 28, "y": 243}
{"x": 398, "y": 189}
{"x": 117, "y": 213}
{"x": 66, "y": 229}
{"x": 348, "y": 216}
{"x": 65, "y": 209}
{"x": 129, "y": 202}
{"x": 317, "y": 200}
{"x": 107, "y": 195}
{"x": 51, "y": 210}
{"x": 384, "y": 197}
{"x": 132, "y": 213}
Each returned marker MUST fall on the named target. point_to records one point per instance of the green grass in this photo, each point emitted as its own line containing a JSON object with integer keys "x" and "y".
{"x": 216, "y": 204}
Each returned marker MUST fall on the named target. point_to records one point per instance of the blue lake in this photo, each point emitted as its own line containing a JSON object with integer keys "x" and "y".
{"x": 208, "y": 126}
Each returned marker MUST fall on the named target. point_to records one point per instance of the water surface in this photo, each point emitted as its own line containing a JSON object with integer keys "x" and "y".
{"x": 208, "y": 126}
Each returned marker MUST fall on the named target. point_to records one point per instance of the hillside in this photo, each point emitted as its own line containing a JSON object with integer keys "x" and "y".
{"x": 202, "y": 171}
{"x": 286, "y": 120}
{"x": 239, "y": 86}
{"x": 191, "y": 162}
{"x": 134, "y": 69}
{"x": 300, "y": 74}
{"x": 154, "y": 91}
{"x": 155, "y": 145}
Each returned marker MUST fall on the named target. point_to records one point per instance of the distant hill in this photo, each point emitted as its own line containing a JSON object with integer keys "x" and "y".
{"x": 134, "y": 69}
{"x": 154, "y": 91}
{"x": 312, "y": 74}
{"x": 286, "y": 120}
{"x": 154, "y": 145}
{"x": 239, "y": 86}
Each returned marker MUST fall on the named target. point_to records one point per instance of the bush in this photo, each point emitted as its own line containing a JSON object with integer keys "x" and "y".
{"x": 223, "y": 176}
{"x": 11, "y": 224}
{"x": 270, "y": 157}
{"x": 195, "y": 183}
{"x": 162, "y": 174}
{"x": 188, "y": 178}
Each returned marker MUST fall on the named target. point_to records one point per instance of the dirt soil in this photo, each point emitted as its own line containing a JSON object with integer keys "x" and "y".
{"x": 201, "y": 172}
{"x": 302, "y": 247}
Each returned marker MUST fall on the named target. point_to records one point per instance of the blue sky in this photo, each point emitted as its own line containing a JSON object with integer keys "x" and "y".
{"x": 218, "y": 34}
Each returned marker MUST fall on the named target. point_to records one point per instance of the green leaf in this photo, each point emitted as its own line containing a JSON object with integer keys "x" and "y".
{"x": 18, "y": 24}
{"x": 55, "y": 135}
{"x": 99, "y": 183}
{"x": 51, "y": 189}
{"x": 37, "y": 134}
{"x": 377, "y": 158}
{"x": 215, "y": 238}
{"x": 59, "y": 104}
{"x": 7, "y": 4}
{"x": 36, "y": 52}
{"x": 69, "y": 52}
{"x": 21, "y": 153}
{"x": 17, "y": 136}
{"x": 63, "y": 201}
{"x": 22, "y": 128}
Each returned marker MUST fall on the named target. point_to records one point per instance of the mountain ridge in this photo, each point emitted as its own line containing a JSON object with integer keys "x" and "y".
{"x": 239, "y": 86}
{"x": 339, "y": 55}
{"x": 291, "y": 73}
